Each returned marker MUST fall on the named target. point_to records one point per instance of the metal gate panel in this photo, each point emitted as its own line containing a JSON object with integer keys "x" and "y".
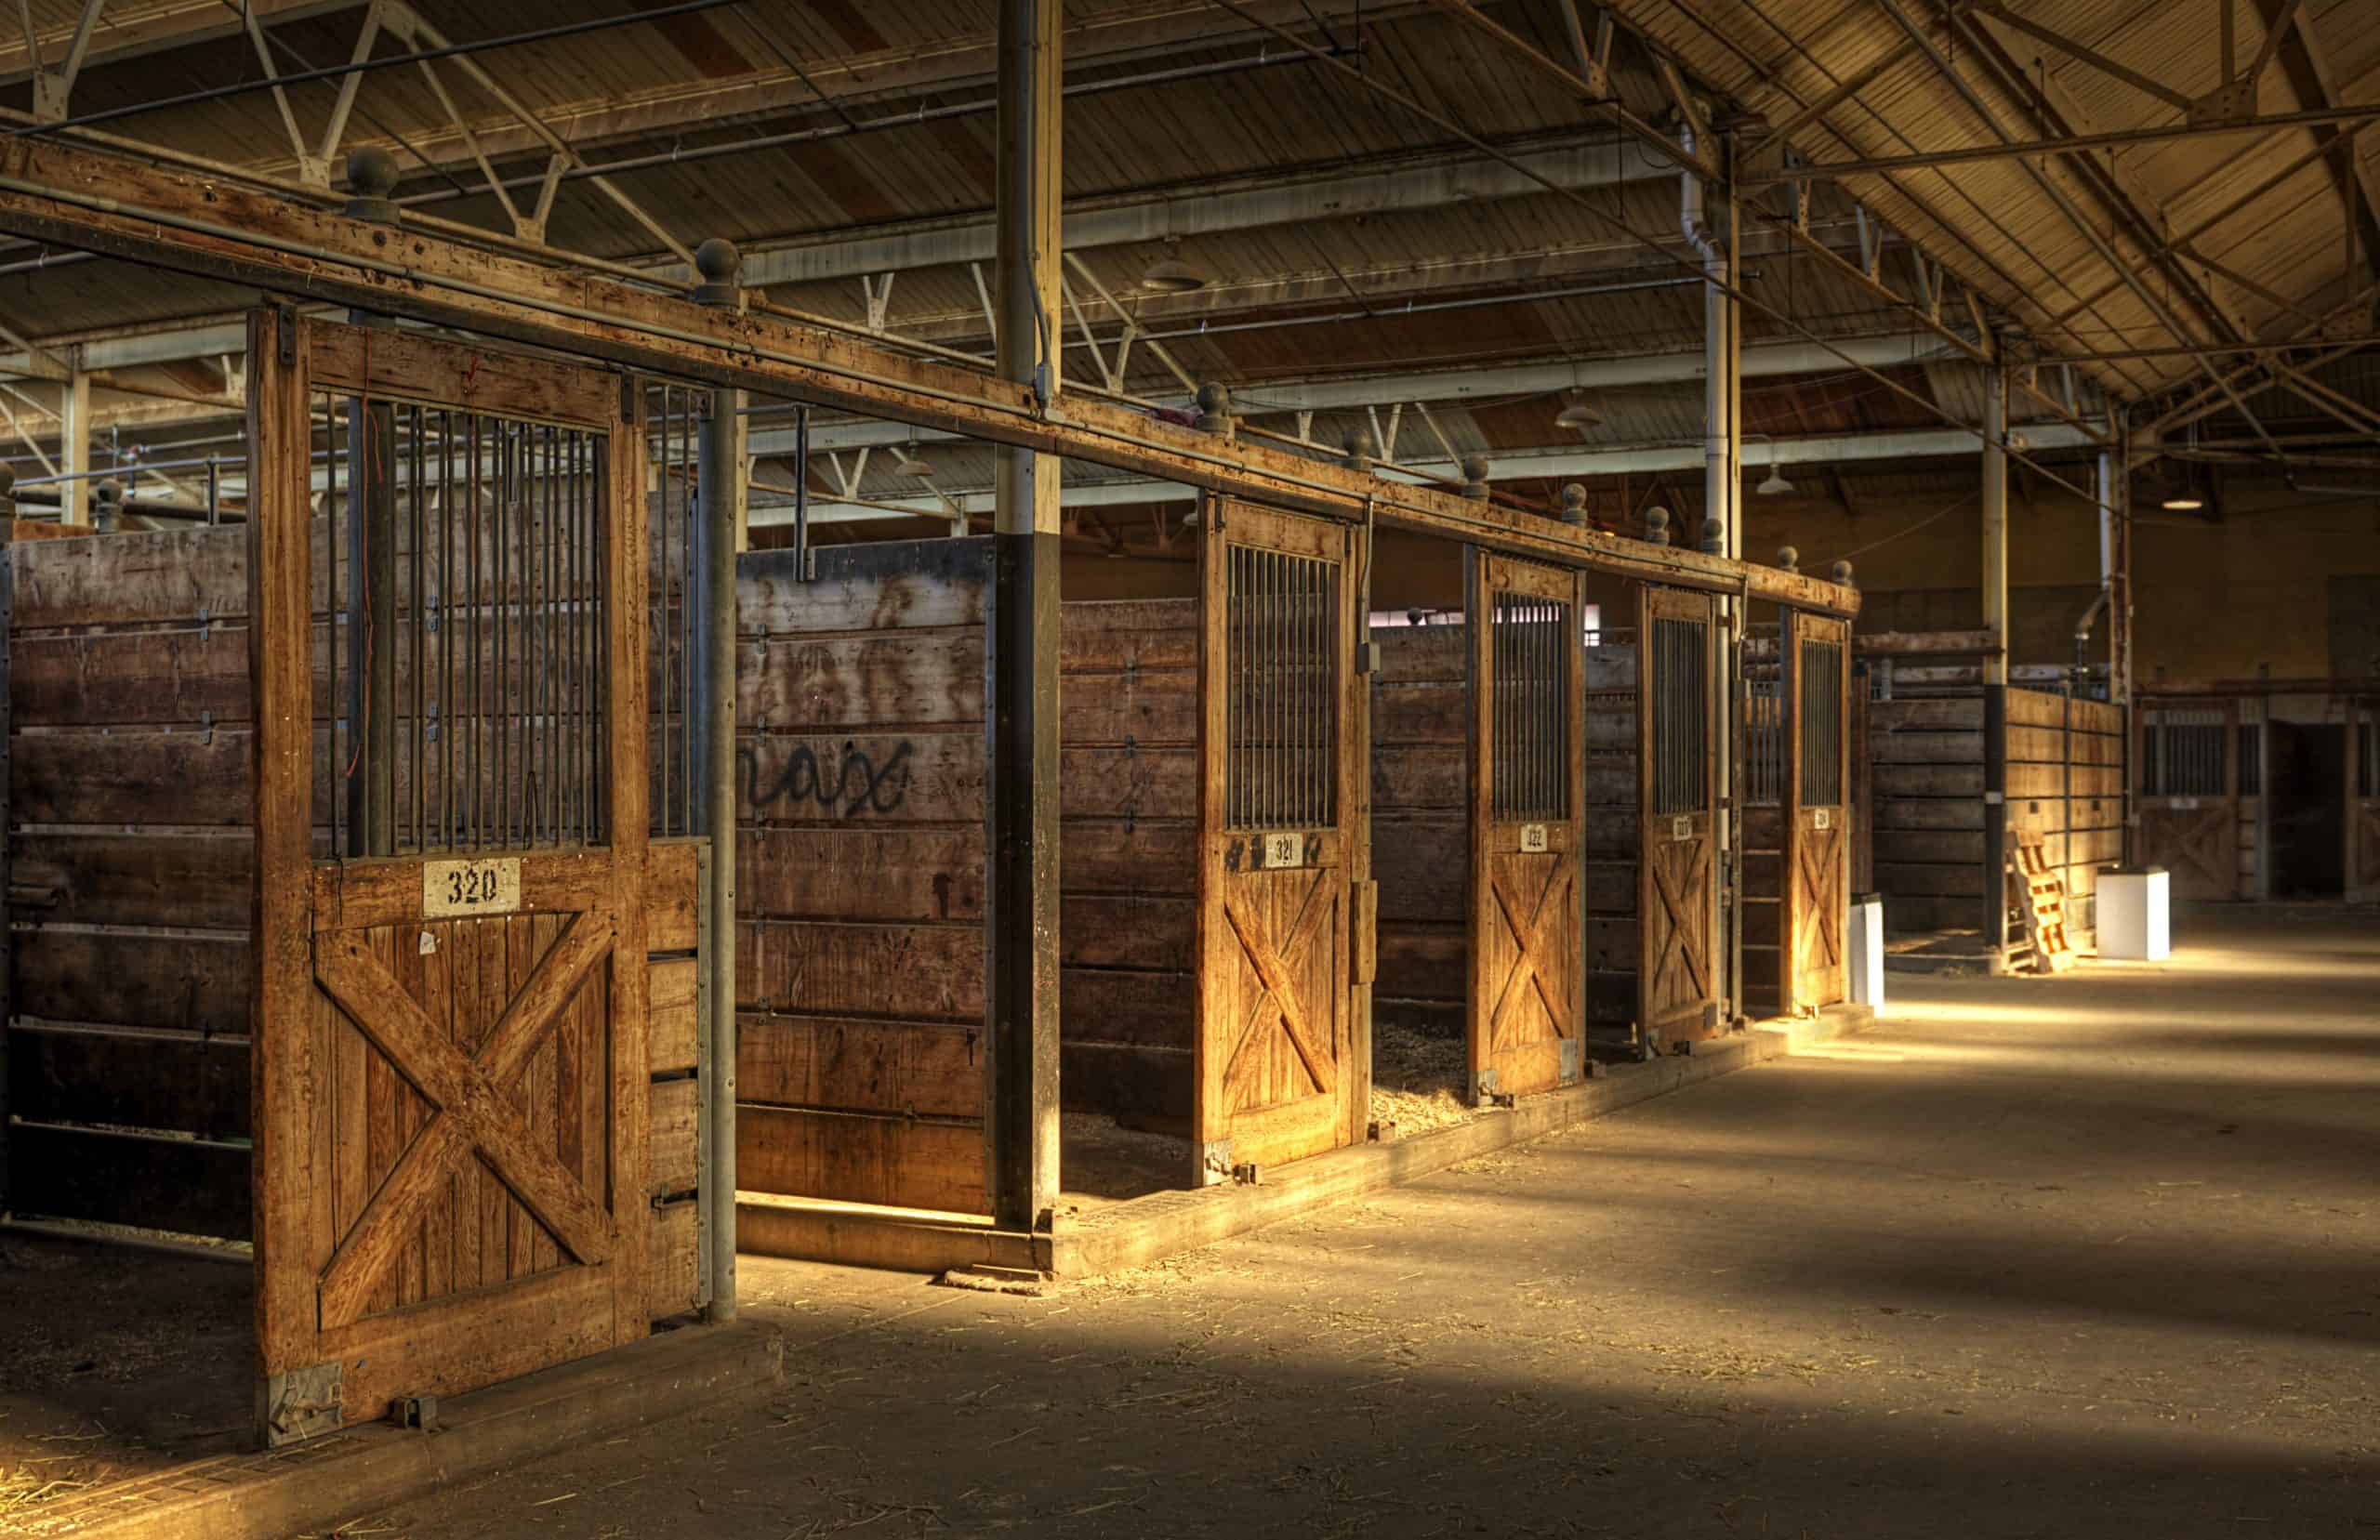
{"x": 1279, "y": 921}
{"x": 450, "y": 1016}
{"x": 1677, "y": 871}
{"x": 1817, "y": 811}
{"x": 1527, "y": 956}
{"x": 2189, "y": 806}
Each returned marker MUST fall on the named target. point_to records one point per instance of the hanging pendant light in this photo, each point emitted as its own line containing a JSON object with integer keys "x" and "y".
{"x": 1576, "y": 413}
{"x": 1170, "y": 274}
{"x": 1774, "y": 485}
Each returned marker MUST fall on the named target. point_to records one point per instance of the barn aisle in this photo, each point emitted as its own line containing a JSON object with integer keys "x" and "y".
{"x": 2083, "y": 1256}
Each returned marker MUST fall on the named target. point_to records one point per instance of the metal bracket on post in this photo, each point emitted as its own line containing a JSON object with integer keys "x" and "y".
{"x": 1570, "y": 1062}
{"x": 415, "y": 1412}
{"x": 285, "y": 332}
{"x": 1215, "y": 1163}
{"x": 303, "y": 1403}
{"x": 1484, "y": 1092}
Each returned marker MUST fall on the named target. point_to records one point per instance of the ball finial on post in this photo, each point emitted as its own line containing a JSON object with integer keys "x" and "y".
{"x": 716, "y": 264}
{"x": 1475, "y": 477}
{"x": 1714, "y": 536}
{"x": 1358, "y": 446}
{"x": 371, "y": 182}
{"x": 1574, "y": 504}
{"x": 1787, "y": 559}
{"x": 107, "y": 505}
{"x": 1214, "y": 408}
{"x": 1656, "y": 525}
{"x": 1842, "y": 573}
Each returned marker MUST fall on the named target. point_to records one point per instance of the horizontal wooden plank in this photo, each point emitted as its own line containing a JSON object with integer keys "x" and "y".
{"x": 1116, "y": 931}
{"x": 673, "y": 1265}
{"x": 1928, "y": 748}
{"x": 179, "y": 1082}
{"x": 137, "y": 576}
{"x": 1928, "y": 812}
{"x": 858, "y": 1158}
{"x": 1611, "y": 887}
{"x": 1423, "y": 868}
{"x": 827, "y": 684}
{"x": 881, "y": 585}
{"x": 1125, "y": 1080}
{"x": 861, "y": 778}
{"x": 1423, "y": 965}
{"x": 904, "y": 1067}
{"x": 1150, "y": 857}
{"x": 1145, "y": 706}
{"x": 1761, "y": 873}
{"x": 1611, "y": 665}
{"x": 189, "y": 1187}
{"x": 804, "y": 967}
{"x": 1937, "y": 846}
{"x": 200, "y": 880}
{"x": 1412, "y": 654}
{"x": 1949, "y": 712}
{"x": 1922, "y": 913}
{"x": 137, "y": 777}
{"x": 673, "y": 900}
{"x": 1897, "y": 879}
{"x": 1409, "y": 777}
{"x": 671, "y": 1043}
{"x": 672, "y": 1139}
{"x": 1119, "y": 633}
{"x": 2060, "y": 781}
{"x": 874, "y": 873}
{"x": 1424, "y": 712}
{"x": 1128, "y": 782}
{"x": 1105, "y": 1005}
{"x": 2035, "y": 708}
{"x": 189, "y": 984}
{"x": 1611, "y": 733}
{"x": 89, "y": 679}
{"x": 1890, "y": 780}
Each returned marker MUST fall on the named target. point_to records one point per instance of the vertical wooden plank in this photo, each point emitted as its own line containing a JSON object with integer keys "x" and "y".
{"x": 1218, "y": 978}
{"x": 285, "y": 1075}
{"x": 625, "y": 551}
{"x": 422, "y": 974}
{"x": 497, "y": 1203}
{"x": 1482, "y": 958}
{"x": 528, "y": 1242}
{"x": 539, "y": 931}
{"x": 451, "y": 980}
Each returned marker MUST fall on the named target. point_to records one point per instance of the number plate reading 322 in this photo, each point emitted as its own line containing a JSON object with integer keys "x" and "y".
{"x": 470, "y": 886}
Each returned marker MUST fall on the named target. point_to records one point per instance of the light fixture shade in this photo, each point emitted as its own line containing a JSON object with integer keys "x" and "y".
{"x": 1577, "y": 412}
{"x": 2183, "y": 502}
{"x": 1776, "y": 485}
{"x": 1170, "y": 274}
{"x": 917, "y": 466}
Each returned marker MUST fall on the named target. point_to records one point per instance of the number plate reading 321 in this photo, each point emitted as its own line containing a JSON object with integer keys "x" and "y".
{"x": 470, "y": 886}
{"x": 1283, "y": 850}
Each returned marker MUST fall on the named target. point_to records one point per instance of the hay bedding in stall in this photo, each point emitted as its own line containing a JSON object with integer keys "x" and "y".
{"x": 1418, "y": 1079}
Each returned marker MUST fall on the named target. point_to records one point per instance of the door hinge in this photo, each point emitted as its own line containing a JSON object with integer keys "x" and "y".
{"x": 1569, "y": 1061}
{"x": 302, "y": 1403}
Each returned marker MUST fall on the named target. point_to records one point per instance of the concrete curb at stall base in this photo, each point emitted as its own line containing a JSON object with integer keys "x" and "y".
{"x": 1163, "y": 1224}
{"x": 311, "y": 1487}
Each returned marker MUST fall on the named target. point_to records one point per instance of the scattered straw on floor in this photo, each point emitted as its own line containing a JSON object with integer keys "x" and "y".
{"x": 1417, "y": 1079}
{"x": 29, "y": 1487}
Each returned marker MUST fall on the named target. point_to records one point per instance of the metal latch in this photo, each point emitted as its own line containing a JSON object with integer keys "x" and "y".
{"x": 417, "y": 1412}
{"x": 303, "y": 1403}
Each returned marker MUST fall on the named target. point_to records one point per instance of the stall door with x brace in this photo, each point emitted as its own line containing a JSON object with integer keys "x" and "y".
{"x": 450, "y": 1016}
{"x": 1279, "y": 1075}
{"x": 1677, "y": 983}
{"x": 1527, "y": 947}
{"x": 1817, "y": 812}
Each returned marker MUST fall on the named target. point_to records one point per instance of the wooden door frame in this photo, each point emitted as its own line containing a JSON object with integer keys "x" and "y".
{"x": 1656, "y": 602}
{"x": 518, "y": 1326}
{"x": 2228, "y": 708}
{"x": 1214, "y": 1157}
{"x": 1826, "y": 628}
{"x": 2357, "y": 885}
{"x": 1485, "y": 574}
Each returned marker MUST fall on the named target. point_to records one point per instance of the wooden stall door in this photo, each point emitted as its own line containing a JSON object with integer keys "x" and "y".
{"x": 1527, "y": 947}
{"x": 2189, "y": 809}
{"x": 1818, "y": 814}
{"x": 452, "y": 1097}
{"x": 1678, "y": 985}
{"x": 1279, "y": 936}
{"x": 2362, "y": 800}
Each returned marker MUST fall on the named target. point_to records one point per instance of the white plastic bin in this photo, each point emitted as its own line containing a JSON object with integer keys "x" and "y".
{"x": 2134, "y": 920}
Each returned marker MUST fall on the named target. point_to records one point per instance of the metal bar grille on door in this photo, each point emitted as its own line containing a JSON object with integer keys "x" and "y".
{"x": 1820, "y": 684}
{"x": 476, "y": 546}
{"x": 2182, "y": 753}
{"x": 1681, "y": 719}
{"x": 1281, "y": 648}
{"x": 1764, "y": 741}
{"x": 674, "y": 418}
{"x": 1528, "y": 646}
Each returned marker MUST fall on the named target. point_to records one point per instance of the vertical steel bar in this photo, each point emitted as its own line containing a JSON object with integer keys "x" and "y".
{"x": 416, "y": 688}
{"x": 446, "y": 625}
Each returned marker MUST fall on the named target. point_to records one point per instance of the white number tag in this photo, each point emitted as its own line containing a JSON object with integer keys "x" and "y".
{"x": 1283, "y": 850}
{"x": 1822, "y": 818}
{"x": 470, "y": 886}
{"x": 1533, "y": 839}
{"x": 1682, "y": 827}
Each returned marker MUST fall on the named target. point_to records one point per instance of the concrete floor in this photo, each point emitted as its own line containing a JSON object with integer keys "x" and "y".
{"x": 2096, "y": 1255}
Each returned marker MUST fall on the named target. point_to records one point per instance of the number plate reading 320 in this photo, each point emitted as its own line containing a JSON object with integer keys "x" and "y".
{"x": 470, "y": 886}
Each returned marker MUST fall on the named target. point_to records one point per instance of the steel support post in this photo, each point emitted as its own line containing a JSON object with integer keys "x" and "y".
{"x": 74, "y": 449}
{"x": 1021, "y": 1114}
{"x": 1995, "y": 661}
{"x": 721, "y": 492}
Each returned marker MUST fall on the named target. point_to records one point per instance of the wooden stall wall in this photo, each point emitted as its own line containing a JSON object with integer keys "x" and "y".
{"x": 129, "y": 867}
{"x": 2066, "y": 783}
{"x": 862, "y": 756}
{"x": 1421, "y": 826}
{"x": 130, "y": 857}
{"x": 1127, "y": 873}
{"x": 1926, "y": 774}
{"x": 1614, "y": 838}
{"x": 1926, "y": 759}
